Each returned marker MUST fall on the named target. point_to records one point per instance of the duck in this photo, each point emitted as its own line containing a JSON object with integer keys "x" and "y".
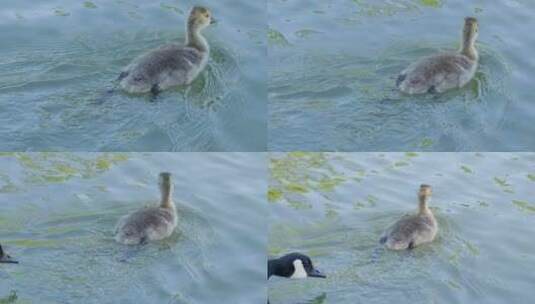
{"x": 413, "y": 230}
{"x": 172, "y": 64}
{"x": 294, "y": 266}
{"x": 150, "y": 223}
{"x": 444, "y": 71}
{"x": 6, "y": 258}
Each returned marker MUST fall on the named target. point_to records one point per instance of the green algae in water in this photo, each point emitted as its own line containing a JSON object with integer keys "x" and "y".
{"x": 531, "y": 177}
{"x": 65, "y": 169}
{"x": 502, "y": 182}
{"x": 524, "y": 206}
{"x": 387, "y": 9}
{"x": 305, "y": 33}
{"x": 319, "y": 299}
{"x": 471, "y": 248}
{"x": 372, "y": 200}
{"x": 59, "y": 167}
{"x": 401, "y": 163}
{"x": 275, "y": 251}
{"x": 274, "y": 195}
{"x": 411, "y": 154}
{"x": 431, "y": 3}
{"x": 277, "y": 38}
{"x": 61, "y": 13}
{"x": 294, "y": 166}
{"x": 331, "y": 213}
{"x": 328, "y": 184}
{"x": 107, "y": 161}
{"x": 426, "y": 143}
{"x": 299, "y": 205}
{"x": 483, "y": 204}
{"x": 453, "y": 284}
{"x": 467, "y": 169}
{"x": 61, "y": 229}
{"x": 296, "y": 188}
{"x": 358, "y": 205}
{"x": 454, "y": 257}
{"x": 35, "y": 243}
{"x": 90, "y": 5}
{"x": 300, "y": 173}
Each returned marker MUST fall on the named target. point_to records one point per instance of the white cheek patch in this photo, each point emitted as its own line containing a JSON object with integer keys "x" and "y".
{"x": 299, "y": 272}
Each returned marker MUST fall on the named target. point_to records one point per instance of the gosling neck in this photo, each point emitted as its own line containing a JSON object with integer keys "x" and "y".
{"x": 167, "y": 194}
{"x": 468, "y": 47}
{"x": 422, "y": 206}
{"x": 195, "y": 39}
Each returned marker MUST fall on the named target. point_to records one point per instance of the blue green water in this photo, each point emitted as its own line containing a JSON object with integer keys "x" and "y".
{"x": 333, "y": 65}
{"x": 334, "y": 207}
{"x": 58, "y": 212}
{"x": 58, "y": 58}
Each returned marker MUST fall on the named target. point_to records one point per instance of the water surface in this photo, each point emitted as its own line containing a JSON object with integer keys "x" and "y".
{"x": 333, "y": 67}
{"x": 335, "y": 207}
{"x": 60, "y": 57}
{"x": 58, "y": 212}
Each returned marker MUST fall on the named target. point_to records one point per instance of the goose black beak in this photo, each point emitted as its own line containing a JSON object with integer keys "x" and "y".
{"x": 213, "y": 20}
{"x": 316, "y": 274}
{"x": 8, "y": 260}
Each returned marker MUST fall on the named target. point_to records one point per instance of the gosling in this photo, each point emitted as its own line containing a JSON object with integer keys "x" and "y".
{"x": 441, "y": 72}
{"x": 171, "y": 65}
{"x": 150, "y": 223}
{"x": 413, "y": 230}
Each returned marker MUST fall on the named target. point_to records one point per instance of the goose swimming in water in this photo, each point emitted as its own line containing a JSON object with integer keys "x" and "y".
{"x": 413, "y": 230}
{"x": 5, "y": 258}
{"x": 171, "y": 65}
{"x": 441, "y": 72}
{"x": 150, "y": 223}
{"x": 294, "y": 266}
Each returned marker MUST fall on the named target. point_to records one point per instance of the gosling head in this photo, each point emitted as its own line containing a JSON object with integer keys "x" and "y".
{"x": 199, "y": 18}
{"x": 5, "y": 258}
{"x": 165, "y": 182}
{"x": 423, "y": 196}
{"x": 294, "y": 266}
{"x": 425, "y": 191}
{"x": 470, "y": 32}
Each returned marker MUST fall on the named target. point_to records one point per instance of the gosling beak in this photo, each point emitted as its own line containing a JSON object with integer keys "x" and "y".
{"x": 316, "y": 274}
{"x": 213, "y": 20}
